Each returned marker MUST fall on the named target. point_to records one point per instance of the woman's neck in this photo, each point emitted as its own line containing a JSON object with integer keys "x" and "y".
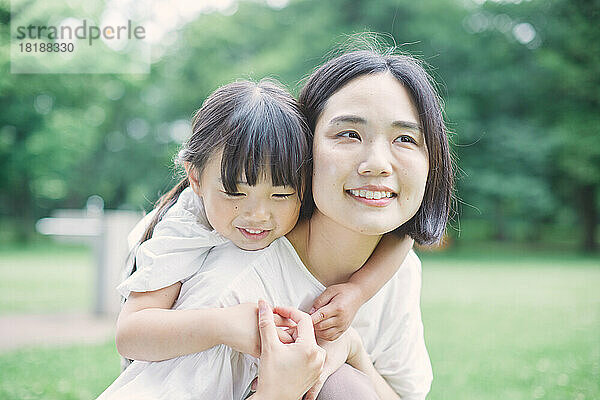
{"x": 331, "y": 252}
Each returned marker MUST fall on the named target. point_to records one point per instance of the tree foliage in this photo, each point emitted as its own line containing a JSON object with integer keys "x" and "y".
{"x": 520, "y": 82}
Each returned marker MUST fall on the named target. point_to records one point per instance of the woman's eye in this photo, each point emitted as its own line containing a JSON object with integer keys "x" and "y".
{"x": 349, "y": 134}
{"x": 405, "y": 139}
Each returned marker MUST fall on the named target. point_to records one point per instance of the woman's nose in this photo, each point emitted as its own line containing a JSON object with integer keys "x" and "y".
{"x": 376, "y": 160}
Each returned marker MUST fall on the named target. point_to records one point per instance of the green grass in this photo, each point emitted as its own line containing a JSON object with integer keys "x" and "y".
{"x": 69, "y": 373}
{"x": 46, "y": 278}
{"x": 499, "y": 324}
{"x": 522, "y": 330}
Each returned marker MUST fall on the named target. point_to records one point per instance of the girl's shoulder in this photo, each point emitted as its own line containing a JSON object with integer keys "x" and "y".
{"x": 186, "y": 217}
{"x": 179, "y": 244}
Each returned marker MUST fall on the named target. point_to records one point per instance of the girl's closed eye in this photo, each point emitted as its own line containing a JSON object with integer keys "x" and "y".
{"x": 283, "y": 195}
{"x": 232, "y": 194}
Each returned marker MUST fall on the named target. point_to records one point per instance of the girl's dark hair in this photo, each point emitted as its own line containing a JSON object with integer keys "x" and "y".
{"x": 260, "y": 129}
{"x": 429, "y": 223}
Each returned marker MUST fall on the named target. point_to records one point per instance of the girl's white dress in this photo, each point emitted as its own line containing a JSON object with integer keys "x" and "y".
{"x": 216, "y": 273}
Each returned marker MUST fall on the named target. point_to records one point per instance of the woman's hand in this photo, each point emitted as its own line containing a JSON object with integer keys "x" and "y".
{"x": 334, "y": 310}
{"x": 287, "y": 371}
{"x": 338, "y": 352}
{"x": 240, "y": 328}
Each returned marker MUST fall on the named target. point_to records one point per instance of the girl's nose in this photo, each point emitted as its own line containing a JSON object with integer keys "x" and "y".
{"x": 377, "y": 160}
{"x": 257, "y": 211}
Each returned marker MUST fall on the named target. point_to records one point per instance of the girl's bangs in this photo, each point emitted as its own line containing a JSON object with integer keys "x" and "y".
{"x": 270, "y": 142}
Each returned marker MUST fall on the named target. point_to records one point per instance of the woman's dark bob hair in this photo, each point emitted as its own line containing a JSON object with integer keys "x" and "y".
{"x": 429, "y": 223}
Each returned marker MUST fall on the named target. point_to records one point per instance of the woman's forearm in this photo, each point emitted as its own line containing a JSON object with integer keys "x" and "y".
{"x": 155, "y": 334}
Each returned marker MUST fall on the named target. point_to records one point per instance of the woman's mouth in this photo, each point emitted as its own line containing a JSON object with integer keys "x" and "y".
{"x": 254, "y": 234}
{"x": 376, "y": 198}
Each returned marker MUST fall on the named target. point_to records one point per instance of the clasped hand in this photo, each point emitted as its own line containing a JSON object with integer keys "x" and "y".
{"x": 287, "y": 371}
{"x": 332, "y": 314}
{"x": 290, "y": 356}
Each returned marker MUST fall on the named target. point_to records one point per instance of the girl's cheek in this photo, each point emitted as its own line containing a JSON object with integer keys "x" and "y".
{"x": 290, "y": 210}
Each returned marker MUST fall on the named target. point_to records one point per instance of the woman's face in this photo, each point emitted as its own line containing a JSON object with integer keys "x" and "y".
{"x": 370, "y": 156}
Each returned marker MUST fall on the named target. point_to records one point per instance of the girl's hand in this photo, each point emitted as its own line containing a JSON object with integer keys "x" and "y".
{"x": 287, "y": 371}
{"x": 334, "y": 310}
{"x": 240, "y": 328}
{"x": 338, "y": 352}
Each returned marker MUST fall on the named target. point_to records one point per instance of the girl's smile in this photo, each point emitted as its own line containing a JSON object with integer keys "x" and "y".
{"x": 254, "y": 234}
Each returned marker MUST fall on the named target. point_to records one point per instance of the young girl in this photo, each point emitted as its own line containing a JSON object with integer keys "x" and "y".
{"x": 246, "y": 165}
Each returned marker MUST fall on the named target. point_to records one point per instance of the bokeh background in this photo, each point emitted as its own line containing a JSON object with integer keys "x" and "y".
{"x": 511, "y": 304}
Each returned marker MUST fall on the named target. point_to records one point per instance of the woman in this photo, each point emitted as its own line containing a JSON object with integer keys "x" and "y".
{"x": 381, "y": 164}
{"x": 378, "y": 127}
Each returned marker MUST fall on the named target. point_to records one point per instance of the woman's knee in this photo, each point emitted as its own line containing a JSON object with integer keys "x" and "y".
{"x": 347, "y": 383}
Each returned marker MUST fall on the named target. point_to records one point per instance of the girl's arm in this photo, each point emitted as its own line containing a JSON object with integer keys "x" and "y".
{"x": 334, "y": 310}
{"x": 148, "y": 330}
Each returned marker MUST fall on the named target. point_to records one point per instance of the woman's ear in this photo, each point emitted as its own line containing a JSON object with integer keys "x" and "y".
{"x": 192, "y": 177}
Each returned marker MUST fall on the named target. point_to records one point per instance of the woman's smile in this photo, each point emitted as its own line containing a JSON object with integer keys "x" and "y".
{"x": 372, "y": 195}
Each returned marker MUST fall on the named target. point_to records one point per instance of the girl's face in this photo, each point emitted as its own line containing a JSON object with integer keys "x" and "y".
{"x": 370, "y": 156}
{"x": 252, "y": 217}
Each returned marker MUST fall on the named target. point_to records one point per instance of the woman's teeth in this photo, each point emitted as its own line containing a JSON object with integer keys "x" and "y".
{"x": 369, "y": 194}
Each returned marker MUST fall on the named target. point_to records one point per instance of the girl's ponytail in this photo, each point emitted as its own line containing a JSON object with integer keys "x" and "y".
{"x": 162, "y": 206}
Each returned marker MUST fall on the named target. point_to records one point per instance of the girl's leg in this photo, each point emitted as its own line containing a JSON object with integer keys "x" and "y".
{"x": 347, "y": 383}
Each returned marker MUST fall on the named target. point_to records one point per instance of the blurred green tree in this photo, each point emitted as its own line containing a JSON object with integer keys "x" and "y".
{"x": 569, "y": 92}
{"x": 520, "y": 81}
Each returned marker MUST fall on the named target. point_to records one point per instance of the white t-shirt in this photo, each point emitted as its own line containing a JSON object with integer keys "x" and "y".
{"x": 389, "y": 325}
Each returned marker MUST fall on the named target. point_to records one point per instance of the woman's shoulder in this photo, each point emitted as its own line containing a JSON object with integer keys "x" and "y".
{"x": 234, "y": 276}
{"x": 410, "y": 270}
{"x": 405, "y": 286}
{"x": 413, "y": 262}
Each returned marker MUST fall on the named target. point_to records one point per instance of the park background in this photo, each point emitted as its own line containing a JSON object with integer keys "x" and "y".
{"x": 511, "y": 304}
